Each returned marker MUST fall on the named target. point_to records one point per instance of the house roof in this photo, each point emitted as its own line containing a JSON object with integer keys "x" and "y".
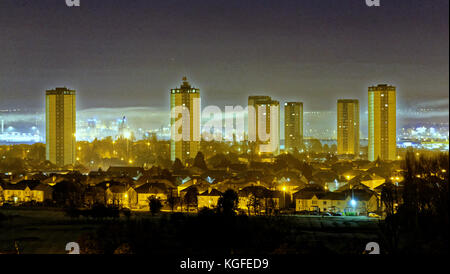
{"x": 166, "y": 182}
{"x": 359, "y": 194}
{"x": 197, "y": 182}
{"x": 332, "y": 196}
{"x": 109, "y": 183}
{"x": 258, "y": 191}
{"x": 308, "y": 192}
{"x": 370, "y": 177}
{"x": 43, "y": 187}
{"x": 192, "y": 187}
{"x": 118, "y": 188}
{"x": 213, "y": 192}
{"x": 325, "y": 176}
{"x": 238, "y": 167}
{"x": 304, "y": 195}
{"x": 31, "y": 184}
{"x": 17, "y": 186}
{"x": 353, "y": 185}
{"x": 216, "y": 174}
{"x": 125, "y": 170}
{"x": 152, "y": 188}
{"x": 98, "y": 173}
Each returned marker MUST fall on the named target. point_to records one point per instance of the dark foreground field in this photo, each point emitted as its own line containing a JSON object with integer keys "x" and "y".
{"x": 47, "y": 232}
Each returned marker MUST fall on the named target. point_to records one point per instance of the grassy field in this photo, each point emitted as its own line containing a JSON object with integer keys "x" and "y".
{"x": 46, "y": 231}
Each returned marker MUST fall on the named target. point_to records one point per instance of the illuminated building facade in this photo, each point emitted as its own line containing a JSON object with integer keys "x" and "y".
{"x": 348, "y": 127}
{"x": 382, "y": 122}
{"x": 293, "y": 126}
{"x": 264, "y": 124}
{"x": 184, "y": 122}
{"x": 60, "y": 118}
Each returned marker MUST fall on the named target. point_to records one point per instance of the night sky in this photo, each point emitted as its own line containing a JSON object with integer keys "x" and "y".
{"x": 126, "y": 53}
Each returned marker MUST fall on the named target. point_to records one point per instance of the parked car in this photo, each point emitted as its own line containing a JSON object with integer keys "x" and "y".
{"x": 326, "y": 214}
{"x": 303, "y": 212}
{"x": 373, "y": 215}
{"x": 336, "y": 213}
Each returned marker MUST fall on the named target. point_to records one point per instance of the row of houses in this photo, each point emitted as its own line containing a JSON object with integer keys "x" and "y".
{"x": 25, "y": 191}
{"x": 253, "y": 196}
{"x": 342, "y": 187}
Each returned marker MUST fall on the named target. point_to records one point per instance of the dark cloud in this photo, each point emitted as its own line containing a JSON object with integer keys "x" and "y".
{"x": 123, "y": 53}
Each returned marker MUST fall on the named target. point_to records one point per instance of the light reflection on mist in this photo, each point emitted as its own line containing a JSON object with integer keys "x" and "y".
{"x": 320, "y": 123}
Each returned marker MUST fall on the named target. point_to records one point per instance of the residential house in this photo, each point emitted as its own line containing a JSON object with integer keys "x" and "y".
{"x": 257, "y": 199}
{"x": 147, "y": 190}
{"x": 209, "y": 198}
{"x": 119, "y": 194}
{"x": 25, "y": 191}
{"x": 201, "y": 184}
{"x": 356, "y": 201}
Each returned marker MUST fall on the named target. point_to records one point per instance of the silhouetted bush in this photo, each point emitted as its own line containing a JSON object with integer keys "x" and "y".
{"x": 155, "y": 205}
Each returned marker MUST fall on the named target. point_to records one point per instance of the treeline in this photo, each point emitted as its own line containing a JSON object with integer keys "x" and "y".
{"x": 418, "y": 212}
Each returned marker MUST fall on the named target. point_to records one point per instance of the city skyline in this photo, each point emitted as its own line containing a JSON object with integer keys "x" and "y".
{"x": 320, "y": 123}
{"x": 224, "y": 134}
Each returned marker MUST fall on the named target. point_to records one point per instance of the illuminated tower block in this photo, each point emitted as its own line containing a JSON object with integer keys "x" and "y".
{"x": 184, "y": 122}
{"x": 293, "y": 126}
{"x": 348, "y": 127}
{"x": 382, "y": 123}
{"x": 60, "y": 118}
